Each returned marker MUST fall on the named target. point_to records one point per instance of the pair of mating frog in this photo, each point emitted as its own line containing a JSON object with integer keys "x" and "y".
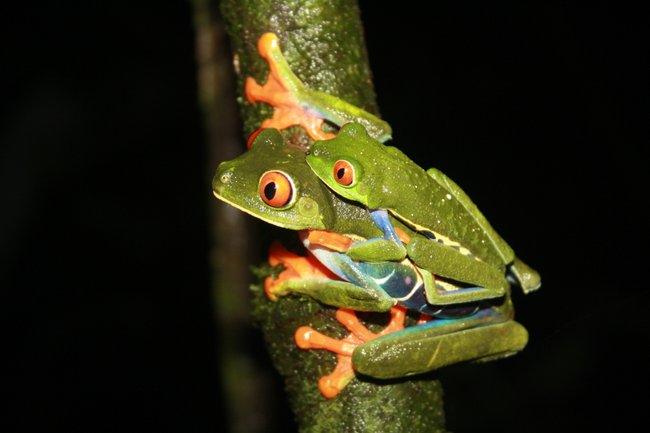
{"x": 385, "y": 235}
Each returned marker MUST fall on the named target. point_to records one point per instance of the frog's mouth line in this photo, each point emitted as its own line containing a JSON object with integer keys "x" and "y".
{"x": 256, "y": 215}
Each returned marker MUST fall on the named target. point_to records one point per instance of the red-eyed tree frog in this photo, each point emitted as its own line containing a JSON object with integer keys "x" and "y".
{"x": 286, "y": 193}
{"x": 458, "y": 242}
{"x": 274, "y": 183}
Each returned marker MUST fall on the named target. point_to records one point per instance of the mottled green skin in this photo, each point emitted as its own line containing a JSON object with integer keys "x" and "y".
{"x": 429, "y": 202}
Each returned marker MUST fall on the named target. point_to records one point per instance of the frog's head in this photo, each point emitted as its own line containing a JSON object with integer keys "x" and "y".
{"x": 272, "y": 182}
{"x": 345, "y": 163}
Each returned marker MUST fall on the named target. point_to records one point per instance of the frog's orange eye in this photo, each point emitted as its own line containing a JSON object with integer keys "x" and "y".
{"x": 344, "y": 172}
{"x": 276, "y": 189}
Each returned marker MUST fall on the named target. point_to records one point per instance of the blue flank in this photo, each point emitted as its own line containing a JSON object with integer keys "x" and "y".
{"x": 400, "y": 281}
{"x": 464, "y": 289}
{"x": 479, "y": 318}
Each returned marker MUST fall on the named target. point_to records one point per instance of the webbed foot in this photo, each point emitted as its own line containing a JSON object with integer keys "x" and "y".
{"x": 283, "y": 90}
{"x": 296, "y": 268}
{"x": 308, "y": 276}
{"x": 308, "y": 338}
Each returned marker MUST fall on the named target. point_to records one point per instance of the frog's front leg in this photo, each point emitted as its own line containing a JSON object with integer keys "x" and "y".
{"x": 295, "y": 104}
{"x": 485, "y": 281}
{"x": 390, "y": 247}
{"x": 308, "y": 276}
{"x": 400, "y": 281}
{"x": 308, "y": 338}
{"x": 284, "y": 91}
{"x": 484, "y": 336}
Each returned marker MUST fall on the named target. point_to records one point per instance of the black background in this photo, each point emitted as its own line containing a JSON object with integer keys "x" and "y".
{"x": 537, "y": 110}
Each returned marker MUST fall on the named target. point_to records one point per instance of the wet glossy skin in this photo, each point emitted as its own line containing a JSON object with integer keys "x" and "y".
{"x": 462, "y": 245}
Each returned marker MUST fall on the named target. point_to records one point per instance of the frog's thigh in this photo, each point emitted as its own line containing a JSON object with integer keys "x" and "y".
{"x": 340, "y": 294}
{"x": 421, "y": 349}
{"x": 448, "y": 262}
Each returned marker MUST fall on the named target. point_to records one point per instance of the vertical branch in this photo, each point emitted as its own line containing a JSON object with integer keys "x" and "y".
{"x": 323, "y": 43}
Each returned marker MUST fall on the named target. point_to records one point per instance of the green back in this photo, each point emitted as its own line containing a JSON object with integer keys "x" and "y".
{"x": 385, "y": 178}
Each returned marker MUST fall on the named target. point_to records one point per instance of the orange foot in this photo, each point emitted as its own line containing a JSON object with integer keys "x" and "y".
{"x": 282, "y": 91}
{"x": 300, "y": 267}
{"x": 308, "y": 338}
{"x": 295, "y": 267}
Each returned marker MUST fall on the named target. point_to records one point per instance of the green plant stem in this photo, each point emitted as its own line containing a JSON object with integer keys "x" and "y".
{"x": 323, "y": 43}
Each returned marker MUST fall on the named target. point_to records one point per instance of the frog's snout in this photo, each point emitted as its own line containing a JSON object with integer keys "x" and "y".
{"x": 222, "y": 178}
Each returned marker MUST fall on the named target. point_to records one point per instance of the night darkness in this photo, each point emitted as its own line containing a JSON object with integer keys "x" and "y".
{"x": 107, "y": 322}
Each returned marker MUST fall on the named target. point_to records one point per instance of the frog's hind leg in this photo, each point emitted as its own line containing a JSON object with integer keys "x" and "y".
{"x": 486, "y": 282}
{"x": 296, "y": 267}
{"x": 308, "y": 276}
{"x": 488, "y": 334}
{"x": 464, "y": 295}
{"x": 308, "y": 338}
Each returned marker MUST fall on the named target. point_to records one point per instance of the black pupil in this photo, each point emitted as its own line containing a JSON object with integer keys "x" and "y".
{"x": 270, "y": 190}
{"x": 340, "y": 173}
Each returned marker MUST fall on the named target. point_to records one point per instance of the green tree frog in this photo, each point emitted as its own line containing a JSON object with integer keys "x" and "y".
{"x": 274, "y": 183}
{"x": 459, "y": 242}
{"x": 286, "y": 193}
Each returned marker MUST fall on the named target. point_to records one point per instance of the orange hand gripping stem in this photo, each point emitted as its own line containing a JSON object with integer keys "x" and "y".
{"x": 295, "y": 267}
{"x": 281, "y": 91}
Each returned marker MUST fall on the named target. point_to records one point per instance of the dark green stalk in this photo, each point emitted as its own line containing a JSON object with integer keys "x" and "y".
{"x": 323, "y": 43}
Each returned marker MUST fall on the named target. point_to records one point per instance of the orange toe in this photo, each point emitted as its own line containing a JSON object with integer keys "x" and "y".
{"x": 295, "y": 267}
{"x": 308, "y": 338}
{"x": 282, "y": 91}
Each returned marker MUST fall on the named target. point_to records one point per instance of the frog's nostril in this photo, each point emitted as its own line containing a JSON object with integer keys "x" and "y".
{"x": 225, "y": 178}
{"x": 221, "y": 180}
